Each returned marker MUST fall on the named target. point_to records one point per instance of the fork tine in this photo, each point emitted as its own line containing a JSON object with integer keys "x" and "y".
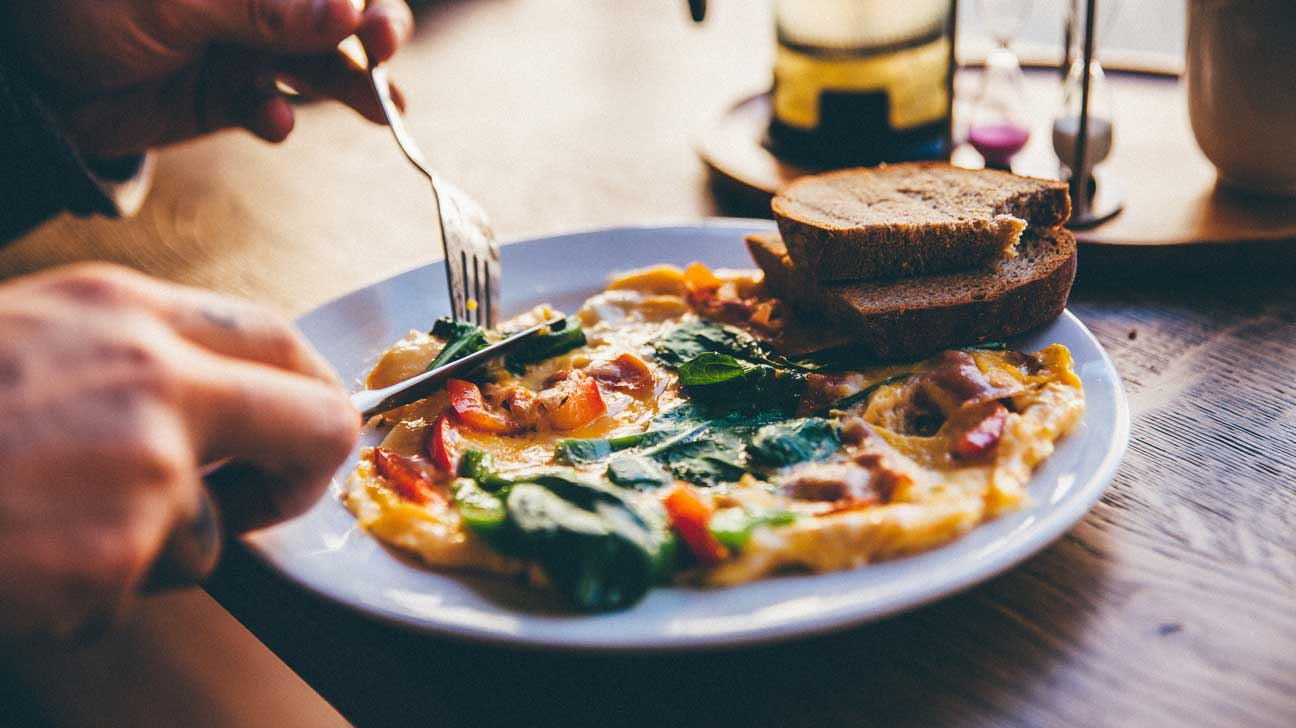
{"x": 454, "y": 263}
{"x": 461, "y": 290}
{"x": 492, "y": 287}
{"x": 489, "y": 303}
{"x": 479, "y": 312}
{"x": 454, "y": 258}
{"x": 464, "y": 226}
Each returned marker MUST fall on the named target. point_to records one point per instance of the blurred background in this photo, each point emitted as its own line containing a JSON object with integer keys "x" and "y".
{"x": 1146, "y": 26}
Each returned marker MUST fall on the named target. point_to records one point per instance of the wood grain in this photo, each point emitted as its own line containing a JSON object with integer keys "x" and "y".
{"x": 1170, "y": 604}
{"x": 1173, "y": 205}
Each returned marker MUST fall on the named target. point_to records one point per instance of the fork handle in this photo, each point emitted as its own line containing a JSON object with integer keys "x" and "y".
{"x": 382, "y": 89}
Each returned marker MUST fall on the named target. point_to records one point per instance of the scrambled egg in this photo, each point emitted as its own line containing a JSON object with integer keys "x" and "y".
{"x": 936, "y": 448}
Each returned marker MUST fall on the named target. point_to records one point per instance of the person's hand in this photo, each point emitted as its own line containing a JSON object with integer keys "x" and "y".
{"x": 114, "y": 390}
{"x": 127, "y": 75}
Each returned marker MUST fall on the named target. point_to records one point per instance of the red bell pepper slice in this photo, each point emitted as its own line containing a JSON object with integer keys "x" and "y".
{"x": 443, "y": 445}
{"x": 579, "y": 402}
{"x": 407, "y": 477}
{"x": 691, "y": 519}
{"x": 470, "y": 409}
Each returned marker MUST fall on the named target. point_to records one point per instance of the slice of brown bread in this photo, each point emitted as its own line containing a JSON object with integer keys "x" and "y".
{"x": 899, "y": 220}
{"x": 912, "y": 317}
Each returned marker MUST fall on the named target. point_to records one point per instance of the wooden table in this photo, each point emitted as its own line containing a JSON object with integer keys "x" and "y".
{"x": 1171, "y": 603}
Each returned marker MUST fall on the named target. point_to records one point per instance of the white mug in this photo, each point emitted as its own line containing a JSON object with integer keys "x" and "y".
{"x": 1241, "y": 68}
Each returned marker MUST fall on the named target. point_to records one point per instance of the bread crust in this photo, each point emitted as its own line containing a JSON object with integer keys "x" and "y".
{"x": 916, "y": 218}
{"x": 910, "y": 318}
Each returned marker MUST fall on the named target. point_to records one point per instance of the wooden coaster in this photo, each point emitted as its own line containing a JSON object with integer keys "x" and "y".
{"x": 1174, "y": 211}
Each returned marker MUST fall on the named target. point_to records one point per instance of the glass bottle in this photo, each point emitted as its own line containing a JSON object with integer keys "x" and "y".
{"x": 862, "y": 81}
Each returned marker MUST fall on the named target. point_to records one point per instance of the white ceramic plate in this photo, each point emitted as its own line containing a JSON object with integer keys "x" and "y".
{"x": 325, "y": 552}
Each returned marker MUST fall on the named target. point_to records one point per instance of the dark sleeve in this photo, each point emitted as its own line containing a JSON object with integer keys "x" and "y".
{"x": 41, "y": 173}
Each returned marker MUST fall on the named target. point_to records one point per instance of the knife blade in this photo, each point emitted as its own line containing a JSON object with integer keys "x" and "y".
{"x": 376, "y": 401}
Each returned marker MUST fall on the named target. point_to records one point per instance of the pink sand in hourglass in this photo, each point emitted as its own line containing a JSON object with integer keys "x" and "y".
{"x": 998, "y": 142}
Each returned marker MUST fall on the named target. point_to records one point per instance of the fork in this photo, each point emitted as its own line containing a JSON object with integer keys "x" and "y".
{"x": 472, "y": 260}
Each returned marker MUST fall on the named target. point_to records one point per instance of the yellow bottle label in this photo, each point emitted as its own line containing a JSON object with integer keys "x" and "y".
{"x": 913, "y": 78}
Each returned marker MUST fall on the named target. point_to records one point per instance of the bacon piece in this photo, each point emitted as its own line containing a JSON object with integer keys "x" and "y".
{"x": 984, "y": 436}
{"x": 832, "y": 483}
{"x": 885, "y": 478}
{"x": 954, "y": 379}
{"x": 822, "y": 390}
{"x": 627, "y": 372}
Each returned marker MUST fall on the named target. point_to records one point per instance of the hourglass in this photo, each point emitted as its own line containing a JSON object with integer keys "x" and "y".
{"x": 1082, "y": 130}
{"x": 998, "y": 128}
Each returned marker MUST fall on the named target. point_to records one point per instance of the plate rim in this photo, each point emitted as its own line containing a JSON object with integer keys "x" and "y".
{"x": 1050, "y": 527}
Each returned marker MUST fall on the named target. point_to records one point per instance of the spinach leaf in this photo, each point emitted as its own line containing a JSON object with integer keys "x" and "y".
{"x": 719, "y": 363}
{"x": 571, "y": 486}
{"x": 707, "y": 447}
{"x": 586, "y": 493}
{"x": 633, "y": 470}
{"x": 598, "y": 558}
{"x": 795, "y": 441}
{"x": 720, "y": 415}
{"x": 709, "y": 466}
{"x": 689, "y": 434}
{"x": 561, "y": 339}
{"x": 761, "y": 389}
{"x": 989, "y": 346}
{"x": 583, "y": 451}
{"x": 461, "y": 340}
{"x": 709, "y": 454}
{"x": 688, "y": 340}
{"x": 711, "y": 367}
{"x": 698, "y": 451}
{"x": 599, "y": 549}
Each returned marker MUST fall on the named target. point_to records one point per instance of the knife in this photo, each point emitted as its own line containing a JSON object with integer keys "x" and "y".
{"x": 376, "y": 401}
{"x": 372, "y": 402}
{"x": 192, "y": 549}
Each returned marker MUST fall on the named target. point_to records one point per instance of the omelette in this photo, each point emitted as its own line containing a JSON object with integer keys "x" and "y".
{"x": 678, "y": 429}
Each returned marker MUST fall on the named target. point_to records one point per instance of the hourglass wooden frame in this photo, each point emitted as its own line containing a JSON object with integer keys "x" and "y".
{"x": 1084, "y": 213}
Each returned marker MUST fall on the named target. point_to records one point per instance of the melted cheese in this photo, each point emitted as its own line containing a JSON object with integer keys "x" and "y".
{"x": 943, "y": 500}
